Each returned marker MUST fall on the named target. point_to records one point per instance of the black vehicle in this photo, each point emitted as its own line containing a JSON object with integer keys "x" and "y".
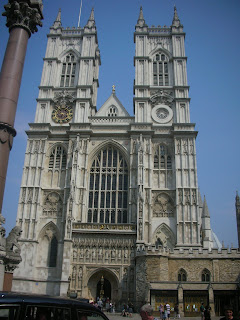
{"x": 18, "y": 306}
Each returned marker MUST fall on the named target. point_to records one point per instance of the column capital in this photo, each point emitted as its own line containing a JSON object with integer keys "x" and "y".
{"x": 25, "y": 14}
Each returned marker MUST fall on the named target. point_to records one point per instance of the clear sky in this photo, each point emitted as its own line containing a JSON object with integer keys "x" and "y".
{"x": 212, "y": 46}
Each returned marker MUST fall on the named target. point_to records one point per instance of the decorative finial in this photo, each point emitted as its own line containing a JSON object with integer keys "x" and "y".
{"x": 176, "y": 21}
{"x": 91, "y": 20}
{"x": 141, "y": 21}
{"x": 113, "y": 89}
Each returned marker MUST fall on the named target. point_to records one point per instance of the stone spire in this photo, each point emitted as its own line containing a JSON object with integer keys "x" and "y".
{"x": 141, "y": 21}
{"x": 205, "y": 211}
{"x": 57, "y": 23}
{"x": 91, "y": 20}
{"x": 176, "y": 21}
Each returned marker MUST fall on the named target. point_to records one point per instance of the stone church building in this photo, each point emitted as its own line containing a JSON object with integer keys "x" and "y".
{"x": 109, "y": 203}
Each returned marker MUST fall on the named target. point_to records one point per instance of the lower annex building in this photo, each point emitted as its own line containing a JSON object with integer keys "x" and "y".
{"x": 109, "y": 203}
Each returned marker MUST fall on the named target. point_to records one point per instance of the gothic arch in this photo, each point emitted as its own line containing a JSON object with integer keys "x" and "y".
{"x": 68, "y": 51}
{"x": 96, "y": 276}
{"x": 56, "y": 144}
{"x": 164, "y": 236}
{"x": 48, "y": 239}
{"x": 104, "y": 144}
{"x": 160, "y": 50}
{"x": 49, "y": 230}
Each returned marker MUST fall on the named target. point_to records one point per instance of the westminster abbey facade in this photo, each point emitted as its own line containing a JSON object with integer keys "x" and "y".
{"x": 109, "y": 203}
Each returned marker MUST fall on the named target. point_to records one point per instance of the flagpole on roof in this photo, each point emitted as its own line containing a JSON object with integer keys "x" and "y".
{"x": 80, "y": 14}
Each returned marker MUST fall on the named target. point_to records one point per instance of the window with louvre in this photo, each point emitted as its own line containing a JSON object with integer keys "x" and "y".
{"x": 162, "y": 159}
{"x": 68, "y": 71}
{"x": 160, "y": 70}
{"x": 58, "y": 158}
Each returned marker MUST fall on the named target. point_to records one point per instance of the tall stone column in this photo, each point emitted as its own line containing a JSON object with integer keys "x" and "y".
{"x": 23, "y": 16}
{"x": 180, "y": 300}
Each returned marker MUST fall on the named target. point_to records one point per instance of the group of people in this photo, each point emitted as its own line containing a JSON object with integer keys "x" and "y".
{"x": 165, "y": 310}
{"x": 147, "y": 311}
{"x": 127, "y": 310}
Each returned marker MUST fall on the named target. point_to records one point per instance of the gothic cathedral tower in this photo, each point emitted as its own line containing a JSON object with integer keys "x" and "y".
{"x": 100, "y": 188}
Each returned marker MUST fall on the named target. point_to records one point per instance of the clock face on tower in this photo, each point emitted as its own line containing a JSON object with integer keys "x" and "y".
{"x": 62, "y": 114}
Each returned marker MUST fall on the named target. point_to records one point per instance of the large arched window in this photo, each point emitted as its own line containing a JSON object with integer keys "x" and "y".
{"x": 160, "y": 70}
{"x": 182, "y": 275}
{"x": 108, "y": 187}
{"x": 52, "y": 260}
{"x": 205, "y": 275}
{"x": 162, "y": 159}
{"x": 68, "y": 71}
{"x": 58, "y": 158}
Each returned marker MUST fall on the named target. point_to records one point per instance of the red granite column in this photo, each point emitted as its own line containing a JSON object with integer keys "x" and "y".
{"x": 10, "y": 81}
{"x": 23, "y": 16}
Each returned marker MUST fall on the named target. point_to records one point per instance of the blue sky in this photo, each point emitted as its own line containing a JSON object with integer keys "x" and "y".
{"x": 212, "y": 46}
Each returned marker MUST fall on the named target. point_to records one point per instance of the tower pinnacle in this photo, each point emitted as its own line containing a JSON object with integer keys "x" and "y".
{"x": 141, "y": 21}
{"x": 57, "y": 23}
{"x": 91, "y": 20}
{"x": 176, "y": 21}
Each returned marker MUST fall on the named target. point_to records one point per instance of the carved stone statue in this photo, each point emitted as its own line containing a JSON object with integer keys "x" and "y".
{"x": 12, "y": 245}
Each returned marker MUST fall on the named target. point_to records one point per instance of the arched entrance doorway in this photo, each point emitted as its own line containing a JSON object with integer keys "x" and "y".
{"x": 104, "y": 289}
{"x": 105, "y": 280}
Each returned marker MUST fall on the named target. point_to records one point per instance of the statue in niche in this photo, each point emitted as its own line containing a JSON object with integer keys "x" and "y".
{"x": 81, "y": 253}
{"x": 100, "y": 252}
{"x": 74, "y": 255}
{"x": 87, "y": 253}
{"x": 113, "y": 253}
{"x": 94, "y": 253}
{"x": 125, "y": 253}
{"x": 80, "y": 273}
{"x": 106, "y": 254}
{"x": 119, "y": 254}
{"x": 74, "y": 273}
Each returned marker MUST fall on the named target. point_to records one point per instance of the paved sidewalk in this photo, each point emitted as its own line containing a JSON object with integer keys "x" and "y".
{"x": 136, "y": 316}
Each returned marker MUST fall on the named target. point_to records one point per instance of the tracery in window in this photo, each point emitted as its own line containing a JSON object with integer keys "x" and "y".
{"x": 108, "y": 188}
{"x": 182, "y": 275}
{"x": 112, "y": 111}
{"x": 58, "y": 158}
{"x": 162, "y": 159}
{"x": 206, "y": 275}
{"x": 68, "y": 71}
{"x": 160, "y": 70}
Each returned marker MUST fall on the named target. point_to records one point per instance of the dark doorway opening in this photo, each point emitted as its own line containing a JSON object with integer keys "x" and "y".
{"x": 106, "y": 288}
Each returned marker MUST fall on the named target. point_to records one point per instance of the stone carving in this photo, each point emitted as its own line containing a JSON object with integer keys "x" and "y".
{"x": 161, "y": 97}
{"x": 52, "y": 205}
{"x": 7, "y": 133}
{"x": 163, "y": 206}
{"x": 21, "y": 14}
{"x": 12, "y": 245}
{"x": 64, "y": 98}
